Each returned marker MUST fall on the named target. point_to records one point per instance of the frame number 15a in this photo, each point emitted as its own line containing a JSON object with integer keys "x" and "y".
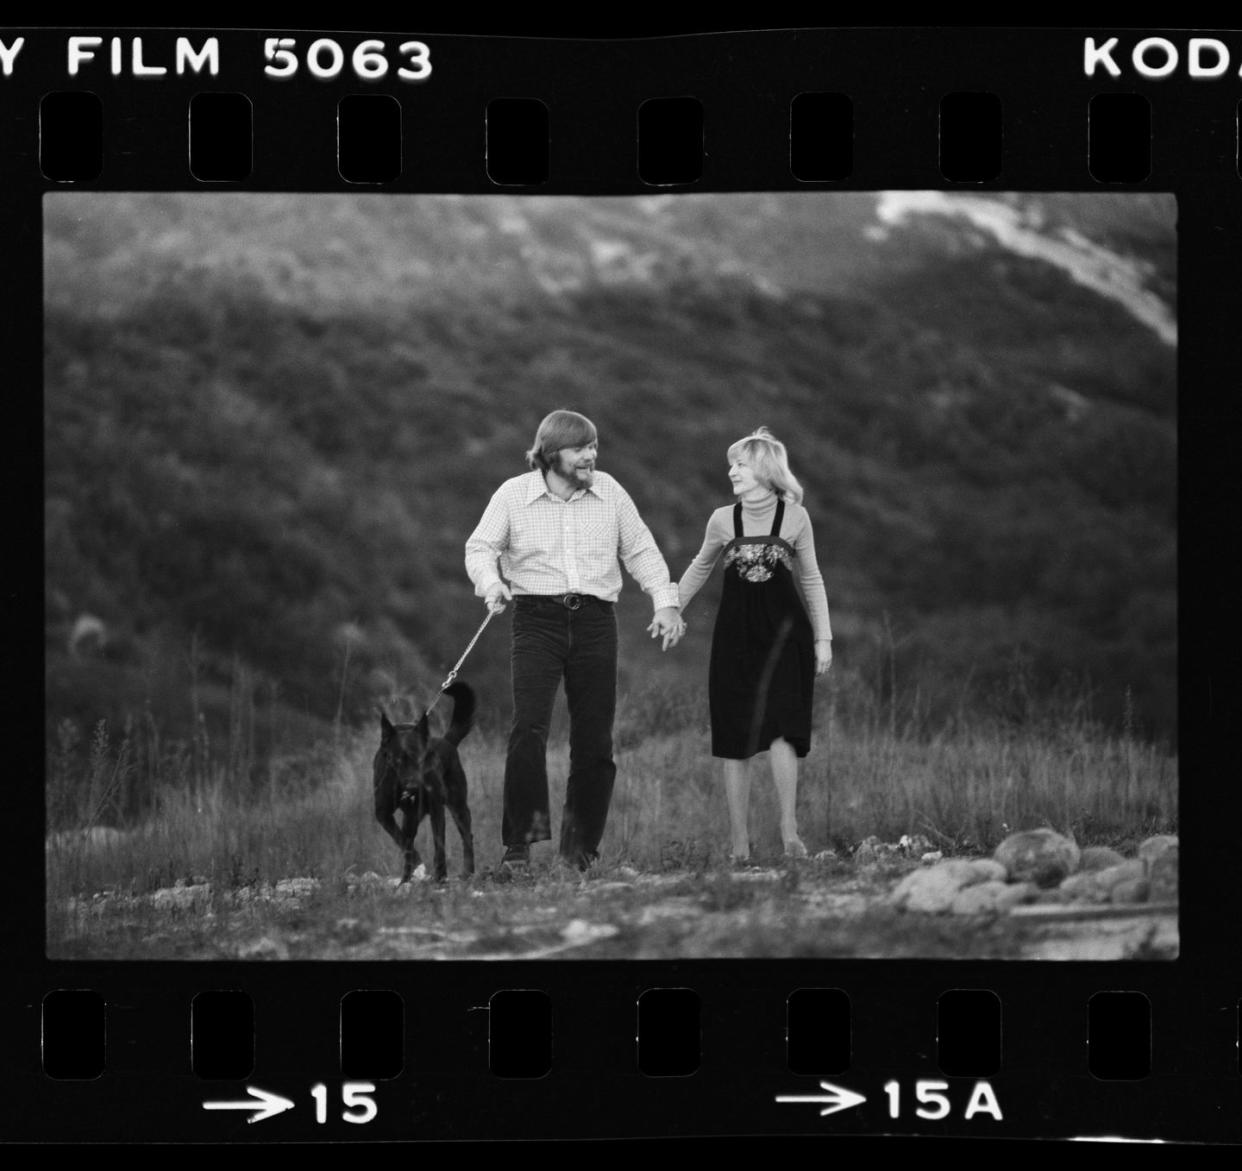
{"x": 932, "y": 1100}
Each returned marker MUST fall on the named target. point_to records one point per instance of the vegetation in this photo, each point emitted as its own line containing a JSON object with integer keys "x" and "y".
{"x": 870, "y": 772}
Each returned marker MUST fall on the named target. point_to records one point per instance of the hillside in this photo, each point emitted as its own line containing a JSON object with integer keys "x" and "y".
{"x": 272, "y": 421}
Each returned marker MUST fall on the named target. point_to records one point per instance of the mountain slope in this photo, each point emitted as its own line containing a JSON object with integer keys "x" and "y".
{"x": 272, "y": 421}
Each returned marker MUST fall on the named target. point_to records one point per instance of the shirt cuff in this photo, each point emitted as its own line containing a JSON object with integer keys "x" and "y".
{"x": 665, "y": 596}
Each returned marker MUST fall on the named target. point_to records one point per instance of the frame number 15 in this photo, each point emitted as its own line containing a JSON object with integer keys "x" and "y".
{"x": 356, "y": 1096}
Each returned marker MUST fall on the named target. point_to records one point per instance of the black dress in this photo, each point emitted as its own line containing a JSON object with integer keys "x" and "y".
{"x": 763, "y": 648}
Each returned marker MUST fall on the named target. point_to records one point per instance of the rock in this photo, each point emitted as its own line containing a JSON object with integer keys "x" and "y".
{"x": 865, "y": 851}
{"x": 1126, "y": 871}
{"x": 1162, "y": 877}
{"x": 579, "y": 932}
{"x": 1099, "y": 858}
{"x": 264, "y": 948}
{"x": 1153, "y": 848}
{"x": 933, "y": 889}
{"x": 181, "y": 897}
{"x": 1131, "y": 890}
{"x": 991, "y": 897}
{"x": 930, "y": 891}
{"x": 931, "y": 858}
{"x": 1084, "y": 887}
{"x": 1017, "y": 893}
{"x": 1042, "y": 856}
{"x": 296, "y": 887}
{"x": 1097, "y": 886}
{"x": 987, "y": 870}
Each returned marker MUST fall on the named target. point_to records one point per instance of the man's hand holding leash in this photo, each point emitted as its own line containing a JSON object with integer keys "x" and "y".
{"x": 496, "y": 597}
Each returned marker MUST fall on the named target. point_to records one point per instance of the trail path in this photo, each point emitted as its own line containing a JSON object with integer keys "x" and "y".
{"x": 814, "y": 910}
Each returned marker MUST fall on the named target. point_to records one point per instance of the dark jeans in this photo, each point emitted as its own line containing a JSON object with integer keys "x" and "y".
{"x": 552, "y": 643}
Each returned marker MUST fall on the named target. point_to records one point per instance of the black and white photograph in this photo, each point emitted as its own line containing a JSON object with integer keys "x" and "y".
{"x": 675, "y": 576}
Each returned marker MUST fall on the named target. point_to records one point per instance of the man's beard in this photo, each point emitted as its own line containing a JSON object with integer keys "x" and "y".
{"x": 580, "y": 477}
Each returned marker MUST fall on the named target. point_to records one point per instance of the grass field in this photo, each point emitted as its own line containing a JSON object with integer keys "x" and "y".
{"x": 238, "y": 851}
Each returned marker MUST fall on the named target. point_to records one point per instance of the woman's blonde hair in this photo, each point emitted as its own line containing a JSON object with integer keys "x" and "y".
{"x": 770, "y": 461}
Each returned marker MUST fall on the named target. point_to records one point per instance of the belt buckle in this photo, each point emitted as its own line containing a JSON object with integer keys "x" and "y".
{"x": 572, "y": 601}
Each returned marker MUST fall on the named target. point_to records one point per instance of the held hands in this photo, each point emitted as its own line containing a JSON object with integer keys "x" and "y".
{"x": 496, "y": 597}
{"x": 823, "y": 656}
{"x": 669, "y": 625}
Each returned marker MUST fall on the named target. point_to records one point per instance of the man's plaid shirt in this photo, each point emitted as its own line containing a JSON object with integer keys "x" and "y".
{"x": 546, "y": 545}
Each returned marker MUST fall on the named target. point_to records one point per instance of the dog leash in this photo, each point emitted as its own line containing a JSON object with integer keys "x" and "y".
{"x": 457, "y": 666}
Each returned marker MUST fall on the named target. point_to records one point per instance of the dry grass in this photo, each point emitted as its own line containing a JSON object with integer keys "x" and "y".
{"x": 312, "y": 818}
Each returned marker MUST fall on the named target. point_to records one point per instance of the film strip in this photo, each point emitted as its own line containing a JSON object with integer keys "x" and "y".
{"x": 283, "y": 309}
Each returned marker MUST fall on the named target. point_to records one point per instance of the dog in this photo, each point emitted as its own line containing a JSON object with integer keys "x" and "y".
{"x": 423, "y": 777}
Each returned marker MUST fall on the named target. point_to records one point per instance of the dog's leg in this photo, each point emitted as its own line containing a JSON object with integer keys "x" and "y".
{"x": 455, "y": 797}
{"x": 412, "y": 860}
{"x": 411, "y": 819}
{"x": 389, "y": 825}
{"x": 437, "y": 838}
{"x": 461, "y": 819}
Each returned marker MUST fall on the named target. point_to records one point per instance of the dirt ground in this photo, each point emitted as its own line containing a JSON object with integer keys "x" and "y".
{"x": 809, "y": 909}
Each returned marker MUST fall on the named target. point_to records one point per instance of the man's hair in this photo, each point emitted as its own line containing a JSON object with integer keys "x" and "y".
{"x": 559, "y": 429}
{"x": 770, "y": 462}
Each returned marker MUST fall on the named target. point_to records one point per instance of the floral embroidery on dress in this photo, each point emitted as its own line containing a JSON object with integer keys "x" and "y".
{"x": 757, "y": 562}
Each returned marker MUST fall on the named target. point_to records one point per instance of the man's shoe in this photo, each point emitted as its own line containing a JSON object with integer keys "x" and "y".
{"x": 564, "y": 869}
{"x": 516, "y": 859}
{"x": 582, "y": 860}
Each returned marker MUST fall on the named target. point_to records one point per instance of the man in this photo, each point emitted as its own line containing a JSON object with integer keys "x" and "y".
{"x": 556, "y": 534}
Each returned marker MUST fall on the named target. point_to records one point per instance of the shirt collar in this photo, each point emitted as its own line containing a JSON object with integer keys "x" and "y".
{"x": 538, "y": 487}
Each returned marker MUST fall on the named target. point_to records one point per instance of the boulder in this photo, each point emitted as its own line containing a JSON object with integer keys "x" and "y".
{"x": 933, "y": 889}
{"x": 1153, "y": 848}
{"x": 1125, "y": 871}
{"x": 1042, "y": 856}
{"x": 1084, "y": 887}
{"x": 1162, "y": 877}
{"x": 1132, "y": 890}
{"x": 865, "y": 851}
{"x": 1097, "y": 886}
{"x": 991, "y": 897}
{"x": 987, "y": 870}
{"x": 1099, "y": 858}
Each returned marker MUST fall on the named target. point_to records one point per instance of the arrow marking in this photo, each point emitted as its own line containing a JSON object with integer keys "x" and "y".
{"x": 833, "y": 1099}
{"x": 267, "y": 1104}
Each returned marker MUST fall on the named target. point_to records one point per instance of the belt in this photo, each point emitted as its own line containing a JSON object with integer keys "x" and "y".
{"x": 568, "y": 601}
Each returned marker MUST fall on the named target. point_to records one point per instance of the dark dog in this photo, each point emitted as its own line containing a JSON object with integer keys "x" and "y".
{"x": 422, "y": 777}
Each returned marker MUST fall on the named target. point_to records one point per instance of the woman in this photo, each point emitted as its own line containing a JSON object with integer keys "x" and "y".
{"x": 772, "y": 634}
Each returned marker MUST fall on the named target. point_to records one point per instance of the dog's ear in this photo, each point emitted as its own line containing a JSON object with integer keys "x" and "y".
{"x": 386, "y": 728}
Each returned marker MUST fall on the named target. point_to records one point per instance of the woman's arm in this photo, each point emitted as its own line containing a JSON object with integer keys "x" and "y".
{"x": 811, "y": 581}
{"x": 700, "y": 569}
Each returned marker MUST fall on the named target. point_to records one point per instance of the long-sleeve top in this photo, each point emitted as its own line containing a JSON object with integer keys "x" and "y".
{"x": 543, "y": 544}
{"x": 757, "y": 517}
